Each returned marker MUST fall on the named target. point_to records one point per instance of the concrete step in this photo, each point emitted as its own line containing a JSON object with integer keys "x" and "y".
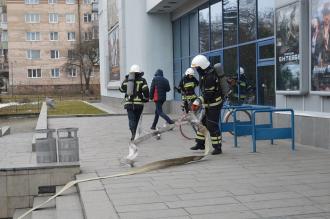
{"x": 94, "y": 200}
{"x": 40, "y": 199}
{"x": 21, "y": 211}
{"x": 68, "y": 204}
{"x": 49, "y": 213}
{"x": 5, "y": 130}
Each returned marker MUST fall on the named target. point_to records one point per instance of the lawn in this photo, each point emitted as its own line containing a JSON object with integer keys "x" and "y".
{"x": 74, "y": 107}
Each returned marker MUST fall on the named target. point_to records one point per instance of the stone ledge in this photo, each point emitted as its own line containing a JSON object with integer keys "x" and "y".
{"x": 5, "y": 130}
{"x": 41, "y": 124}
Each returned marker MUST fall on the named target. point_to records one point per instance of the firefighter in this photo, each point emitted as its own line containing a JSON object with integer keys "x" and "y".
{"x": 136, "y": 92}
{"x": 187, "y": 88}
{"x": 212, "y": 99}
{"x": 239, "y": 85}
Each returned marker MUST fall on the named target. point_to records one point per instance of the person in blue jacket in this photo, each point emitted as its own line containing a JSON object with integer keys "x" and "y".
{"x": 158, "y": 89}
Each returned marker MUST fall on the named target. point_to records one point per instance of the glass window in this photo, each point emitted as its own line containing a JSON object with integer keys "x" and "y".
{"x": 193, "y": 28}
{"x": 176, "y": 39}
{"x": 287, "y": 48}
{"x": 53, "y": 36}
{"x": 247, "y": 59}
{"x": 34, "y": 73}
{"x": 71, "y": 36}
{"x": 88, "y": 36}
{"x": 4, "y": 36}
{"x": 216, "y": 24}
{"x": 32, "y": 18}
{"x": 31, "y": 2}
{"x": 320, "y": 46}
{"x": 33, "y": 54}
{"x": 86, "y": 2}
{"x": 230, "y": 61}
{"x": 52, "y": 1}
{"x": 230, "y": 22}
{"x": 70, "y": 1}
{"x": 55, "y": 73}
{"x": 54, "y": 54}
{"x": 247, "y": 20}
{"x": 72, "y": 72}
{"x": 177, "y": 77}
{"x": 265, "y": 18}
{"x": 266, "y": 51}
{"x": 70, "y": 18}
{"x": 70, "y": 54}
{"x": 185, "y": 36}
{"x": 32, "y": 36}
{"x": 53, "y": 17}
{"x": 204, "y": 26}
{"x": 87, "y": 17}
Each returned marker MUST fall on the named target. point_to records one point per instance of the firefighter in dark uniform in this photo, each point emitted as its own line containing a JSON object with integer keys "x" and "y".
{"x": 134, "y": 103}
{"x": 239, "y": 87}
{"x": 187, "y": 88}
{"x": 211, "y": 98}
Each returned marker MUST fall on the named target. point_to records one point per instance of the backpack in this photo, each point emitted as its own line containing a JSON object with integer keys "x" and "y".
{"x": 222, "y": 79}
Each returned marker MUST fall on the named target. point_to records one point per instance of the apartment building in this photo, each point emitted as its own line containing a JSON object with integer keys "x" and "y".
{"x": 4, "y": 71}
{"x": 42, "y": 35}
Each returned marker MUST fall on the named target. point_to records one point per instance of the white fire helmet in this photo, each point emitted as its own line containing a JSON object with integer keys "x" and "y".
{"x": 200, "y": 61}
{"x": 190, "y": 71}
{"x": 135, "y": 69}
{"x": 241, "y": 71}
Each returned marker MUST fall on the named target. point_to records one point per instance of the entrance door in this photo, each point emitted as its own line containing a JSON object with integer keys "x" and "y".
{"x": 265, "y": 73}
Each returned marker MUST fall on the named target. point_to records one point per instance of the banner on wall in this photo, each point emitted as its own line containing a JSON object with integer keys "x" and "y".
{"x": 114, "y": 63}
{"x": 320, "y": 45}
{"x": 287, "y": 48}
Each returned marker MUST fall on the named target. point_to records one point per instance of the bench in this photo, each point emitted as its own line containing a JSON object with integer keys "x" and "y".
{"x": 41, "y": 125}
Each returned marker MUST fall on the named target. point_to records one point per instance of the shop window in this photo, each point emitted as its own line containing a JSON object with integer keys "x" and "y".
{"x": 230, "y": 22}
{"x": 216, "y": 24}
{"x": 204, "y": 25}
{"x": 247, "y": 20}
{"x": 193, "y": 29}
{"x": 265, "y": 18}
{"x": 287, "y": 48}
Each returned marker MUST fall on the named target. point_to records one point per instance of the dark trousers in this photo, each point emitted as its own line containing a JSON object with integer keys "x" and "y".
{"x": 159, "y": 112}
{"x": 211, "y": 121}
{"x": 133, "y": 118}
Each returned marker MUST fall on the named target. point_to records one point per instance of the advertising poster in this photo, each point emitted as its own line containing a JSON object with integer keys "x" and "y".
{"x": 320, "y": 45}
{"x": 287, "y": 48}
{"x": 114, "y": 54}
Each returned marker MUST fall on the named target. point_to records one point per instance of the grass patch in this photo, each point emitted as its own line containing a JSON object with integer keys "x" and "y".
{"x": 74, "y": 107}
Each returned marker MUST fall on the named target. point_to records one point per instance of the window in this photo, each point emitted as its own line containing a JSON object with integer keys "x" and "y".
{"x": 70, "y": 54}
{"x": 247, "y": 20}
{"x": 4, "y": 36}
{"x": 70, "y": 18}
{"x": 71, "y": 36}
{"x": 95, "y": 17}
{"x": 55, "y": 72}
{"x": 52, "y": 1}
{"x": 53, "y": 18}
{"x": 54, "y": 54}
{"x": 95, "y": 32}
{"x": 88, "y": 36}
{"x": 230, "y": 61}
{"x": 193, "y": 29}
{"x": 185, "y": 37}
{"x": 32, "y": 18}
{"x": 33, "y": 54}
{"x": 87, "y": 2}
{"x": 204, "y": 25}
{"x": 72, "y": 72}
{"x": 53, "y": 36}
{"x": 230, "y": 22}
{"x": 266, "y": 18}
{"x": 216, "y": 24}
{"x": 34, "y": 73}
{"x": 70, "y": 1}
{"x": 32, "y": 36}
{"x": 31, "y": 2}
{"x": 87, "y": 17}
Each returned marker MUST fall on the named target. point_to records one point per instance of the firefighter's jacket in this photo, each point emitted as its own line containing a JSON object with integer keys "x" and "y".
{"x": 187, "y": 88}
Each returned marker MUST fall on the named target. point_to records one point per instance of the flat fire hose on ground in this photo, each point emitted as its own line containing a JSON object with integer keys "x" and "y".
{"x": 161, "y": 164}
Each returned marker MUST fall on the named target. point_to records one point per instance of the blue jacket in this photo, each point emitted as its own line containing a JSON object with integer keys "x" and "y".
{"x": 163, "y": 86}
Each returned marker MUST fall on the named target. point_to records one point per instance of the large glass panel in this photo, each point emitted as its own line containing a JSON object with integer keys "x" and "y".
{"x": 287, "y": 48}
{"x": 230, "y": 61}
{"x": 185, "y": 36}
{"x": 204, "y": 26}
{"x": 266, "y": 51}
{"x": 266, "y": 88}
{"x": 193, "y": 23}
{"x": 247, "y": 59}
{"x": 266, "y": 18}
{"x": 177, "y": 77}
{"x": 320, "y": 46}
{"x": 247, "y": 20}
{"x": 216, "y": 24}
{"x": 230, "y": 22}
{"x": 176, "y": 39}
{"x": 214, "y": 59}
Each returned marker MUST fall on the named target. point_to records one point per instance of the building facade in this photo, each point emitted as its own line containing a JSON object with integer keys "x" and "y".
{"x": 4, "y": 68}
{"x": 281, "y": 45}
{"x": 42, "y": 35}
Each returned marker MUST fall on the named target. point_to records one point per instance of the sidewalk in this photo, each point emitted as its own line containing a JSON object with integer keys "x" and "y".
{"x": 273, "y": 183}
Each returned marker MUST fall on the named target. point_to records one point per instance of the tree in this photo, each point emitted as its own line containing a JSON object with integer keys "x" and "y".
{"x": 84, "y": 56}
